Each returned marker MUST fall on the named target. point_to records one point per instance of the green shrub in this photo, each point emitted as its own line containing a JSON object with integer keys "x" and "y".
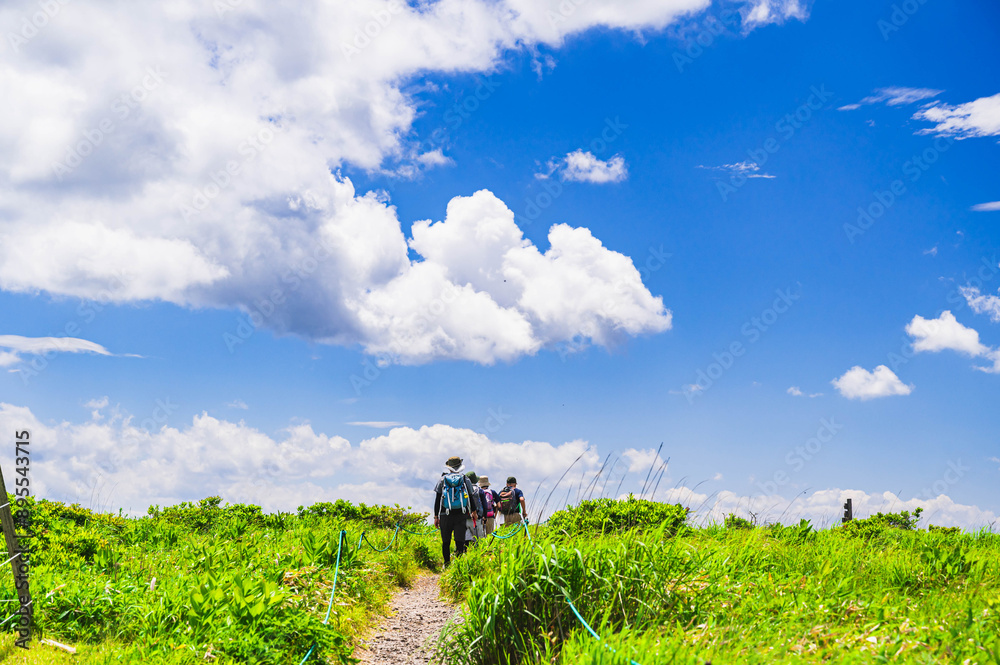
{"x": 600, "y": 516}
{"x": 735, "y": 522}
{"x": 882, "y": 523}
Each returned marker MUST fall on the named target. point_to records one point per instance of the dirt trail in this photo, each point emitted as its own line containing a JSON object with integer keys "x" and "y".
{"x": 407, "y": 636}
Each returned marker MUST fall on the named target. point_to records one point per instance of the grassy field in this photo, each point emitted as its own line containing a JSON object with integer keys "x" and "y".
{"x": 243, "y": 587}
{"x": 203, "y": 578}
{"x": 878, "y": 591}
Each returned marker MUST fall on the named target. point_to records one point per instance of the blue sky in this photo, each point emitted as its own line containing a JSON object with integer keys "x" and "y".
{"x": 671, "y": 188}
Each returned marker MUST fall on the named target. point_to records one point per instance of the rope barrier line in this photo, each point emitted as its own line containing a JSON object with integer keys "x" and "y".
{"x": 363, "y": 539}
{"x": 576, "y": 612}
{"x": 329, "y": 608}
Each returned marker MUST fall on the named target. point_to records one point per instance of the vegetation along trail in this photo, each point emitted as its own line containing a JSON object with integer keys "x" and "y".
{"x": 408, "y": 635}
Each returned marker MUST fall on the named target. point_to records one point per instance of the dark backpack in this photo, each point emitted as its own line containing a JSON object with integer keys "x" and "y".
{"x": 488, "y": 503}
{"x": 453, "y": 496}
{"x": 508, "y": 501}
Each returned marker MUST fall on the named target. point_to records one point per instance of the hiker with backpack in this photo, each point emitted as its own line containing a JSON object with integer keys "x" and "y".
{"x": 512, "y": 503}
{"x": 474, "y": 525}
{"x": 454, "y": 498}
{"x": 490, "y": 499}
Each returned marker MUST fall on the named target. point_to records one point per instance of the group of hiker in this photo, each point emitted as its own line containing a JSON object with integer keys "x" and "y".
{"x": 466, "y": 509}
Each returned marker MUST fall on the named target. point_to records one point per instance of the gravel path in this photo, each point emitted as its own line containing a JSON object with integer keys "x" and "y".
{"x": 407, "y": 636}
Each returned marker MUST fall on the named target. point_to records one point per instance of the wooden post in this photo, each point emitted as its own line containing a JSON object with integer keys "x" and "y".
{"x": 848, "y": 512}
{"x": 14, "y": 552}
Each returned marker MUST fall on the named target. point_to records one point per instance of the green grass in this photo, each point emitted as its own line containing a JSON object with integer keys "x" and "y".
{"x": 877, "y": 592}
{"x": 249, "y": 587}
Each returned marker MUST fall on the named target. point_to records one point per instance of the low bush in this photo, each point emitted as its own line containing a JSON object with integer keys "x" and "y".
{"x": 601, "y": 516}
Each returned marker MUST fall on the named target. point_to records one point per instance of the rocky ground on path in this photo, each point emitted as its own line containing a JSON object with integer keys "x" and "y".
{"x": 407, "y": 636}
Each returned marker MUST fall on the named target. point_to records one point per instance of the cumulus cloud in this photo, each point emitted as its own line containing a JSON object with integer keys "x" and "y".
{"x": 194, "y": 159}
{"x": 795, "y": 390}
{"x": 859, "y": 383}
{"x": 825, "y": 507}
{"x": 894, "y": 96}
{"x": 132, "y": 462}
{"x": 945, "y": 333}
{"x": 980, "y": 117}
{"x": 580, "y": 166}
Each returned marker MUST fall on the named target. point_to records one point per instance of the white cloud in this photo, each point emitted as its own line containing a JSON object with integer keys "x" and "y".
{"x": 580, "y": 166}
{"x": 125, "y": 461}
{"x": 746, "y": 169}
{"x": 215, "y": 182}
{"x": 795, "y": 390}
{"x": 980, "y": 117}
{"x": 932, "y": 251}
{"x": 238, "y": 404}
{"x": 19, "y": 345}
{"x": 995, "y": 459}
{"x": 824, "y": 508}
{"x": 982, "y": 304}
{"x": 717, "y": 476}
{"x": 859, "y": 383}
{"x": 758, "y": 13}
{"x": 210, "y": 184}
{"x": 943, "y": 333}
{"x": 992, "y": 206}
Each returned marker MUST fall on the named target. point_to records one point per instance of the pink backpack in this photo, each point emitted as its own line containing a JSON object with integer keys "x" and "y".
{"x": 488, "y": 501}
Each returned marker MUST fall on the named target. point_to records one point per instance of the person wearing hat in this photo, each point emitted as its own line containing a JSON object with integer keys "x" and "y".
{"x": 490, "y": 499}
{"x": 474, "y": 528}
{"x": 454, "y": 498}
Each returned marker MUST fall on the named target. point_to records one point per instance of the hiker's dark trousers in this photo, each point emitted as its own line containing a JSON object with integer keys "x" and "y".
{"x": 452, "y": 523}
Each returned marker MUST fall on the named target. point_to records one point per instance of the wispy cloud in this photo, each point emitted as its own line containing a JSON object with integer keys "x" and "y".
{"x": 992, "y": 206}
{"x": 894, "y": 96}
{"x": 237, "y": 404}
{"x": 19, "y": 345}
{"x": 746, "y": 169}
{"x": 932, "y": 251}
{"x": 981, "y": 304}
